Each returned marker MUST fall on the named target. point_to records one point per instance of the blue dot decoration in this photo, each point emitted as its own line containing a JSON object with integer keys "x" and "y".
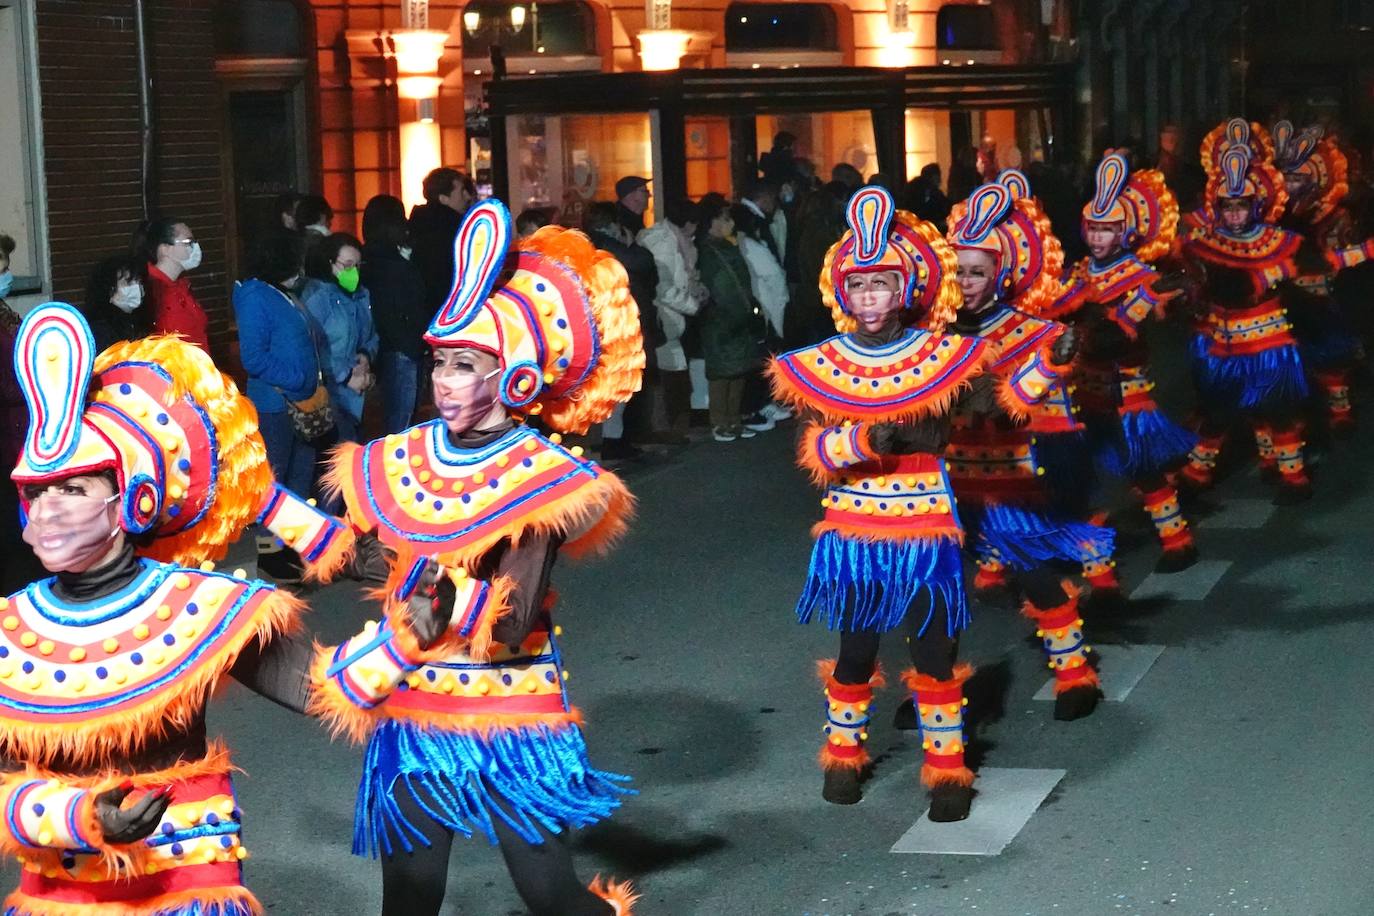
{"x": 102, "y": 672}
{"x": 136, "y": 658}
{"x": 169, "y": 640}
{"x": 28, "y": 667}
{"x": 59, "y": 676}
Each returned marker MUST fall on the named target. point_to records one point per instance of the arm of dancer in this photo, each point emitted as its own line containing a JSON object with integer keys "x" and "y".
{"x": 1038, "y": 374}
{"x": 43, "y": 811}
{"x": 527, "y": 567}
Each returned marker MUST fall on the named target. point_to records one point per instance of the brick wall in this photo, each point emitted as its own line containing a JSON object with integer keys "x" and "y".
{"x": 88, "y": 76}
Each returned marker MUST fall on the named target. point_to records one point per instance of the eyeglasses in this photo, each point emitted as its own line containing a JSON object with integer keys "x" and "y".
{"x": 184, "y": 242}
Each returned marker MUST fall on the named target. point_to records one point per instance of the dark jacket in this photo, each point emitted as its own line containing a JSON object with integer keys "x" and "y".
{"x": 639, "y": 264}
{"x": 732, "y": 327}
{"x": 109, "y": 325}
{"x": 400, "y": 305}
{"x": 433, "y": 227}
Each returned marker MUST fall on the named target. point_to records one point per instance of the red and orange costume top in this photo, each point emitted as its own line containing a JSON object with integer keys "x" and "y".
{"x": 1111, "y": 301}
{"x": 994, "y": 448}
{"x": 104, "y": 687}
{"x": 1315, "y": 166}
{"x": 1245, "y": 356}
{"x": 480, "y": 726}
{"x": 890, "y": 531}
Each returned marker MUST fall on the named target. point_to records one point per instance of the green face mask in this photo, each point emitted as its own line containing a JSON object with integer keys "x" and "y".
{"x": 348, "y": 279}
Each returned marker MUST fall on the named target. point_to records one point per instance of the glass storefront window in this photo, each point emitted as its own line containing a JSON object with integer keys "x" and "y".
{"x": 567, "y": 161}
{"x": 826, "y": 138}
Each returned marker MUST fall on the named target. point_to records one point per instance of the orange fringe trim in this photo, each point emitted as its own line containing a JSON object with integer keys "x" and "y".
{"x": 829, "y": 761}
{"x": 783, "y": 390}
{"x": 915, "y": 680}
{"x": 24, "y": 905}
{"x": 1073, "y": 591}
{"x": 336, "y": 557}
{"x": 103, "y": 742}
{"x": 619, "y": 894}
{"x": 604, "y": 507}
{"x": 825, "y": 670}
{"x": 867, "y": 534}
{"x": 938, "y": 776}
{"x": 1151, "y": 182}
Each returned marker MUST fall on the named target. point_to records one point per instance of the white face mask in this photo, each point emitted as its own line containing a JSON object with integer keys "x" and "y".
{"x": 127, "y": 298}
{"x": 192, "y": 258}
{"x": 6, "y": 283}
{"x": 406, "y": 251}
{"x": 318, "y": 229}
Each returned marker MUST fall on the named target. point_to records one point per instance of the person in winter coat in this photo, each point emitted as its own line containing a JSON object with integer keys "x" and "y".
{"x": 280, "y": 346}
{"x": 678, "y": 298}
{"x": 397, "y": 291}
{"x": 731, "y": 325}
{"x": 114, "y": 306}
{"x": 434, "y": 225}
{"x": 609, "y": 235}
{"x": 768, "y": 281}
{"x": 170, "y": 250}
{"x": 335, "y": 297}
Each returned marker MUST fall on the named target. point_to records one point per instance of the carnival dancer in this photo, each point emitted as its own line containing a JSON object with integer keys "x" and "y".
{"x": 479, "y": 736}
{"x": 1110, "y": 295}
{"x": 138, "y": 469}
{"x": 1246, "y": 363}
{"x": 887, "y": 553}
{"x": 1315, "y": 173}
{"x": 1009, "y": 265}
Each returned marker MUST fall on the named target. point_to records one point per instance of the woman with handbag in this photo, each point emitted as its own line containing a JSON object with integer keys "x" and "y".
{"x": 281, "y": 348}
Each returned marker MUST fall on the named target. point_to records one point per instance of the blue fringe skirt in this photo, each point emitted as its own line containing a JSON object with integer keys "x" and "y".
{"x": 530, "y": 777}
{"x": 871, "y": 585}
{"x": 1027, "y": 538}
{"x": 1139, "y": 443}
{"x": 1269, "y": 379}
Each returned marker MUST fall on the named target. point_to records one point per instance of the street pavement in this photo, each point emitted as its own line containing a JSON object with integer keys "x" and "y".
{"x": 1233, "y": 778}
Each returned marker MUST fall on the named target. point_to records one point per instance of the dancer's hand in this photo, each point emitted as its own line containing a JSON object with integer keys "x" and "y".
{"x": 881, "y": 437}
{"x": 431, "y": 605}
{"x": 1065, "y": 348}
{"x": 134, "y": 823}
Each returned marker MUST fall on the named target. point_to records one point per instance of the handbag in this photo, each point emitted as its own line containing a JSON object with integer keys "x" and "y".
{"x": 312, "y": 418}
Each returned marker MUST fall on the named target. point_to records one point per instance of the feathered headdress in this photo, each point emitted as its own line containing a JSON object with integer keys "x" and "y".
{"x": 1140, "y": 200}
{"x": 182, "y": 443}
{"x": 1319, "y": 160}
{"x": 882, "y": 238}
{"x": 562, "y": 324}
{"x": 1239, "y": 160}
{"x": 1004, "y": 220}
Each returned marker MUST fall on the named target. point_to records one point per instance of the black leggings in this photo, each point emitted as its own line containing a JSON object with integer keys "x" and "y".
{"x": 933, "y": 654}
{"x": 413, "y": 883}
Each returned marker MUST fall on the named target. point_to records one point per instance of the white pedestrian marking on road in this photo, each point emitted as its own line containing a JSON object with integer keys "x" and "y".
{"x": 1122, "y": 668}
{"x": 1239, "y": 513}
{"x": 1005, "y": 801}
{"x": 1193, "y": 584}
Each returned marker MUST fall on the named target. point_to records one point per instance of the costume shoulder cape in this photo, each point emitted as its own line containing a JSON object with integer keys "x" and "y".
{"x": 1269, "y": 246}
{"x": 915, "y": 376}
{"x": 1112, "y": 281}
{"x": 424, "y": 498}
{"x": 93, "y": 681}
